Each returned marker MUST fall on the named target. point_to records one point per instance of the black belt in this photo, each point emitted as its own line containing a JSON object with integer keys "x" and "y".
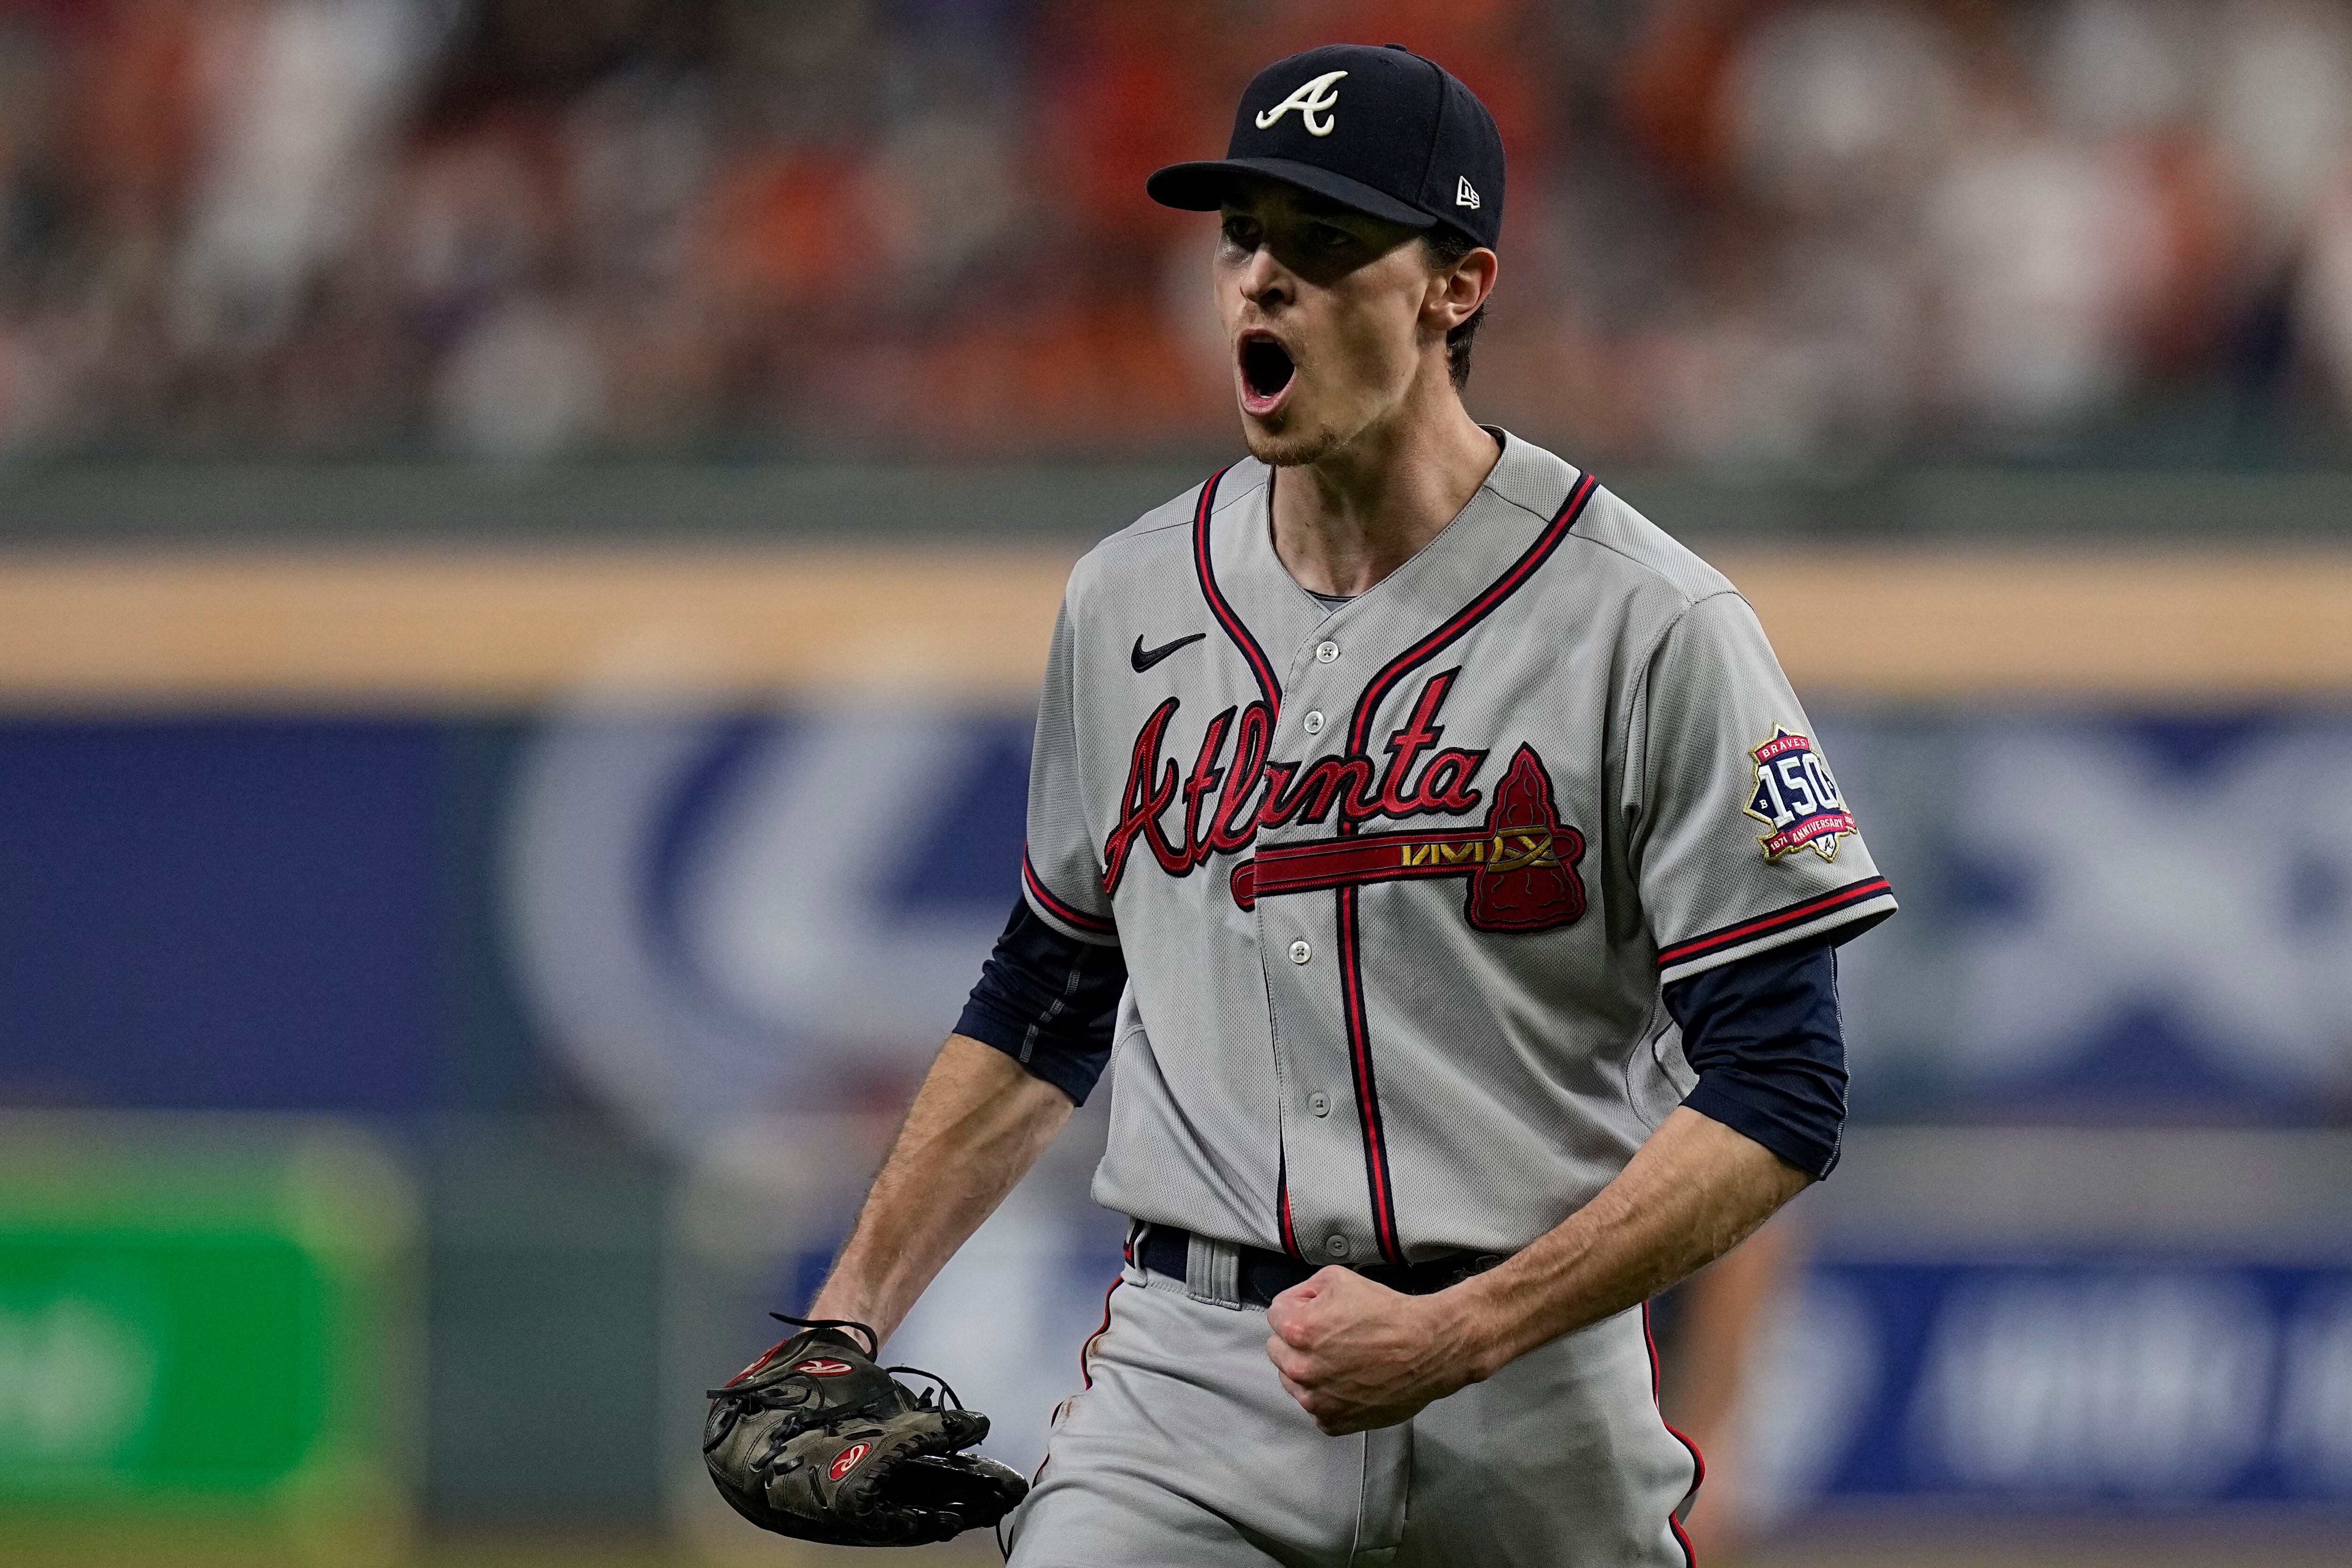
{"x": 1265, "y": 1275}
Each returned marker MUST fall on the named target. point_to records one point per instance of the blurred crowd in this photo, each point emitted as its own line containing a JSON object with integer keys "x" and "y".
{"x": 1767, "y": 235}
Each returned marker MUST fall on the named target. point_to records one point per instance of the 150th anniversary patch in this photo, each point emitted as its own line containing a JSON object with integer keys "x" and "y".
{"x": 1796, "y": 797}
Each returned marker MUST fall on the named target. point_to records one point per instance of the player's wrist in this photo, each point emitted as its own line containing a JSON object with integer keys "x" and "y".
{"x": 845, "y": 1301}
{"x": 1476, "y": 1324}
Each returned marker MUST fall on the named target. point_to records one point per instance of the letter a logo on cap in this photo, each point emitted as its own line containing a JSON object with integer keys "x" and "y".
{"x": 1466, "y": 194}
{"x": 1316, "y": 97}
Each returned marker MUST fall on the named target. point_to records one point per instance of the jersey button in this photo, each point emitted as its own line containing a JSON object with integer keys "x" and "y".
{"x": 1320, "y": 1103}
{"x": 1313, "y": 723}
{"x": 1337, "y": 1246}
{"x": 1325, "y": 652}
{"x": 1300, "y": 952}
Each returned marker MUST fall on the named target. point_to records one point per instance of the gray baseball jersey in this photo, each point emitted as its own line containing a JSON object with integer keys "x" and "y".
{"x": 1399, "y": 882}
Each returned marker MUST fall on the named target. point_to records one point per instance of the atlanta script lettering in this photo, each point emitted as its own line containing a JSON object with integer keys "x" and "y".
{"x": 1226, "y": 801}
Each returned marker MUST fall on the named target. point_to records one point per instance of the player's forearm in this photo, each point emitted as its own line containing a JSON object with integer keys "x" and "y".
{"x": 1690, "y": 1194}
{"x": 977, "y": 1124}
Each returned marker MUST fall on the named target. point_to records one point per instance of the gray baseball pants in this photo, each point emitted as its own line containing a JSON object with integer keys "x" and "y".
{"x": 1184, "y": 1450}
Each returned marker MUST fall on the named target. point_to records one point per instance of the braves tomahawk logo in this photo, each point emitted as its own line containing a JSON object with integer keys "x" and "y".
{"x": 1520, "y": 860}
{"x": 1795, "y": 797}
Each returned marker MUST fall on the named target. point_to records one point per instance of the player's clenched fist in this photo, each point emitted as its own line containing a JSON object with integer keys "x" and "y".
{"x": 1356, "y": 1354}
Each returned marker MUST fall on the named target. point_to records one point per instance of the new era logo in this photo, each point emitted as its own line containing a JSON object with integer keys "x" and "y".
{"x": 1466, "y": 194}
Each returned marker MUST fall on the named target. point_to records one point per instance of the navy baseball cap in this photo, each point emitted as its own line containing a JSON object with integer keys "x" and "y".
{"x": 1380, "y": 130}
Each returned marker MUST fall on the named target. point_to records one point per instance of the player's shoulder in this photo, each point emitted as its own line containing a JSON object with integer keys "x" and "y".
{"x": 1621, "y": 539}
{"x": 1138, "y": 555}
{"x": 1615, "y": 548}
{"x": 1618, "y": 541}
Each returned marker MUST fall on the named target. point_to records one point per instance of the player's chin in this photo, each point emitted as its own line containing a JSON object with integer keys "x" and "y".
{"x": 1285, "y": 442}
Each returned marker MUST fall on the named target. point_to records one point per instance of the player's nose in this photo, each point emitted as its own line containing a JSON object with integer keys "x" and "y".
{"x": 1264, "y": 281}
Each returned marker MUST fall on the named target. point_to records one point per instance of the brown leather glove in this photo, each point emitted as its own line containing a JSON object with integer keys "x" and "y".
{"x": 815, "y": 1441}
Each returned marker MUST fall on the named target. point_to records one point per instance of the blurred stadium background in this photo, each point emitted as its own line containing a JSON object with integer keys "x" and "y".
{"x": 526, "y": 536}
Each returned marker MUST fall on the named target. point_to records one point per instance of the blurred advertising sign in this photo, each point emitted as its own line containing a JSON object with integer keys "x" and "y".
{"x": 715, "y": 911}
{"x": 2107, "y": 913}
{"x": 220, "y": 912}
{"x": 2152, "y": 905}
{"x": 199, "y": 1310}
{"x": 700, "y": 907}
{"x": 2150, "y": 1380}
{"x": 2068, "y": 1319}
{"x": 2106, "y": 910}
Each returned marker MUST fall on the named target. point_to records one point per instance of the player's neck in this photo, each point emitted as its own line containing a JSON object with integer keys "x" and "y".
{"x": 1347, "y": 519}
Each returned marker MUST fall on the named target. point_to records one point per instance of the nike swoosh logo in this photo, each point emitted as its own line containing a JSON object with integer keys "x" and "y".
{"x": 1143, "y": 658}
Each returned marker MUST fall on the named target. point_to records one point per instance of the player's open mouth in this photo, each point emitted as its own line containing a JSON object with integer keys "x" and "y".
{"x": 1268, "y": 373}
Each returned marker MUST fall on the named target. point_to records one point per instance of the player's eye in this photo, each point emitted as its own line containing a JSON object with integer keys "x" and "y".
{"x": 1241, "y": 233}
{"x": 1325, "y": 236}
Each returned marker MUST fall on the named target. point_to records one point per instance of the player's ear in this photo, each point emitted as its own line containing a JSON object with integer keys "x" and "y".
{"x": 1456, "y": 292}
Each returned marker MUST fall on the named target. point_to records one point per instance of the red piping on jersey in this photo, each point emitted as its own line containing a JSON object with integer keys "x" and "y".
{"x": 1780, "y": 919}
{"x": 1470, "y": 615}
{"x": 1521, "y": 838}
{"x": 1367, "y": 1097}
{"x": 1698, "y": 1460}
{"x": 1270, "y": 688}
{"x": 1087, "y": 1354}
{"x": 1057, "y": 907}
{"x": 1087, "y": 1350}
{"x": 1351, "y": 973}
{"x": 1281, "y": 1202}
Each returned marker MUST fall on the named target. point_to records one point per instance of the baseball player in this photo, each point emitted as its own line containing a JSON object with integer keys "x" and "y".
{"x": 1438, "y": 852}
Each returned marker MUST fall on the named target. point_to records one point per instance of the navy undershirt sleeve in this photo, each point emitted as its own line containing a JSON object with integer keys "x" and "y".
{"x": 1764, "y": 1036}
{"x": 1048, "y": 1001}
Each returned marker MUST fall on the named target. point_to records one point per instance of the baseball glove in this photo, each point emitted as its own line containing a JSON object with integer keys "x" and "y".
{"x": 815, "y": 1441}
